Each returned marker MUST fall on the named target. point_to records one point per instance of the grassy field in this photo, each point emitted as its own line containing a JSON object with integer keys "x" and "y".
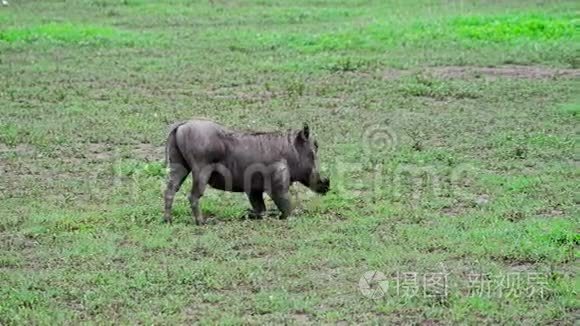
{"x": 449, "y": 130}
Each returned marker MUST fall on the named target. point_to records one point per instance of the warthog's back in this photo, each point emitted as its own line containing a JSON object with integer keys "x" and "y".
{"x": 201, "y": 141}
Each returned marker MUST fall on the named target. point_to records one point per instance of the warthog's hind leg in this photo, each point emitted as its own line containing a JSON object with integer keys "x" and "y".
{"x": 258, "y": 207}
{"x": 200, "y": 181}
{"x": 177, "y": 175}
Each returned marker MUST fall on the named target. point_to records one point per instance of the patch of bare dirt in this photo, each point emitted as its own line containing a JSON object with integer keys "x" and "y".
{"x": 454, "y": 210}
{"x": 24, "y": 163}
{"x": 460, "y": 208}
{"x": 149, "y": 152}
{"x": 521, "y": 267}
{"x": 9, "y": 169}
{"x": 551, "y": 212}
{"x": 99, "y": 151}
{"x": 106, "y": 152}
{"x": 16, "y": 242}
{"x": 301, "y": 319}
{"x": 193, "y": 312}
{"x": 394, "y": 74}
{"x": 511, "y": 71}
{"x": 258, "y": 96}
{"x": 472, "y": 72}
{"x": 20, "y": 149}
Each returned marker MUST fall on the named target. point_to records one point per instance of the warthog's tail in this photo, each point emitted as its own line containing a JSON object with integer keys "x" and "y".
{"x": 170, "y": 137}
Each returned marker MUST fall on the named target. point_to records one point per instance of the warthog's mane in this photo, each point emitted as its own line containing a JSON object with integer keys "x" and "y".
{"x": 253, "y": 133}
{"x": 269, "y": 141}
{"x": 263, "y": 134}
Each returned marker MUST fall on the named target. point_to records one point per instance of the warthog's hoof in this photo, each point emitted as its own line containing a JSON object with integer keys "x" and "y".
{"x": 324, "y": 185}
{"x": 255, "y": 217}
{"x": 252, "y": 215}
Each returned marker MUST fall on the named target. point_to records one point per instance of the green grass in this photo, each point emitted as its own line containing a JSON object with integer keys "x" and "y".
{"x": 67, "y": 33}
{"x": 572, "y": 108}
{"x": 508, "y": 28}
{"x": 379, "y": 36}
{"x": 449, "y": 131}
{"x": 524, "y": 32}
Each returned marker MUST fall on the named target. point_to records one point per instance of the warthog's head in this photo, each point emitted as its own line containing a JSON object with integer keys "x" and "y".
{"x": 308, "y": 170}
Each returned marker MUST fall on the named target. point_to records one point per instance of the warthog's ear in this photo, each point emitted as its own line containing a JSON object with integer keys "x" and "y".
{"x": 305, "y": 131}
{"x": 303, "y": 134}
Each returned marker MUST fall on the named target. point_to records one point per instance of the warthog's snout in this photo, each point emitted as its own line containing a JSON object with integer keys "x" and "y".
{"x": 321, "y": 186}
{"x": 324, "y": 186}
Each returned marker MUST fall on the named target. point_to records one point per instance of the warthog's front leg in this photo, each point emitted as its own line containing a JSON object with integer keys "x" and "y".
{"x": 280, "y": 188}
{"x": 282, "y": 201}
{"x": 257, "y": 201}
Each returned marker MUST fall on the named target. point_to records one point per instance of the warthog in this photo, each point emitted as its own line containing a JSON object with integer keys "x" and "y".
{"x": 250, "y": 162}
